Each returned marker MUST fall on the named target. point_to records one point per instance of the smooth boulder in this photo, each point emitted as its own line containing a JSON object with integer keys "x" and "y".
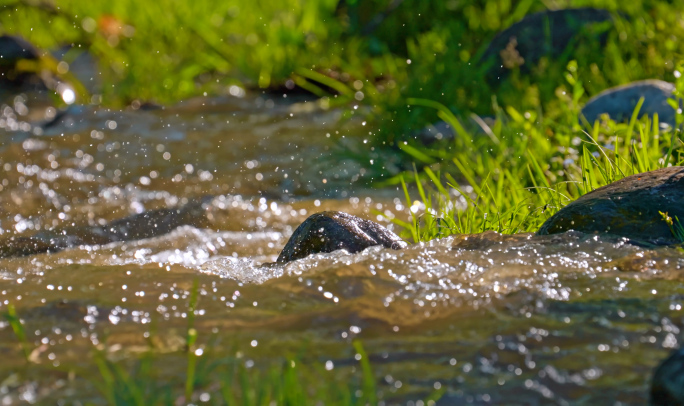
{"x": 330, "y": 231}
{"x": 667, "y": 385}
{"x": 619, "y": 102}
{"x": 628, "y": 208}
{"x": 547, "y": 33}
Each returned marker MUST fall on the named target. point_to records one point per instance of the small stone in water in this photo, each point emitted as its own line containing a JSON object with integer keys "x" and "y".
{"x": 331, "y": 231}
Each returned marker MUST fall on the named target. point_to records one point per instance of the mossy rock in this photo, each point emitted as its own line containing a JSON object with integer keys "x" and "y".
{"x": 628, "y": 208}
{"x": 330, "y": 231}
{"x": 547, "y": 33}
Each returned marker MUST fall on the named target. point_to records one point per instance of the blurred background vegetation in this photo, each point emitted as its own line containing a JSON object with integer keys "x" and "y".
{"x": 169, "y": 50}
{"x": 405, "y": 61}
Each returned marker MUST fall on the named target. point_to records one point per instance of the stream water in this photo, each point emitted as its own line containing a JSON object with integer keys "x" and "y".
{"x": 489, "y": 319}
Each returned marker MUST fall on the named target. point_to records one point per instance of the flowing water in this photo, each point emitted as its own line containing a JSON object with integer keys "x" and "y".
{"x": 488, "y": 319}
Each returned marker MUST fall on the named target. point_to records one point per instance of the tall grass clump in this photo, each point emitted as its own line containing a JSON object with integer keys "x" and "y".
{"x": 511, "y": 176}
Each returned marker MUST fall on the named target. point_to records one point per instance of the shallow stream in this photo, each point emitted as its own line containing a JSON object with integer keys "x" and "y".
{"x": 490, "y": 319}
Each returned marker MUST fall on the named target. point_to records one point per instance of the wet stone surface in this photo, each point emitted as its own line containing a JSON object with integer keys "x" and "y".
{"x": 619, "y": 102}
{"x": 331, "y": 231}
{"x": 628, "y": 208}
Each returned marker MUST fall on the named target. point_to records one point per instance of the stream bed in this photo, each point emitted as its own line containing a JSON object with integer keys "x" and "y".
{"x": 488, "y": 319}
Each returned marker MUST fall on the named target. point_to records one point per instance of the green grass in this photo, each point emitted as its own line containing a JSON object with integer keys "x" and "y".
{"x": 174, "y": 49}
{"x": 18, "y": 329}
{"x": 169, "y": 50}
{"x": 227, "y": 380}
{"x": 525, "y": 170}
{"x": 676, "y": 228}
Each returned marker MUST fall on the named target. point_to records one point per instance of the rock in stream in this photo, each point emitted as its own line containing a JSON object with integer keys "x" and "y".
{"x": 628, "y": 208}
{"x": 330, "y": 231}
{"x": 136, "y": 227}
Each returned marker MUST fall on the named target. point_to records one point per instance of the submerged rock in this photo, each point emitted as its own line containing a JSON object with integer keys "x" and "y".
{"x": 619, "y": 102}
{"x": 667, "y": 386}
{"x": 540, "y": 34}
{"x": 156, "y": 222}
{"x": 628, "y": 208}
{"x": 333, "y": 230}
{"x": 22, "y": 246}
{"x": 149, "y": 224}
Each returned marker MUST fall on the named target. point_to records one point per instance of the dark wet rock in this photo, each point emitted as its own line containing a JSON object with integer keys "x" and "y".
{"x": 157, "y": 222}
{"x": 619, "y": 102}
{"x": 22, "y": 246}
{"x": 627, "y": 208}
{"x": 12, "y": 50}
{"x": 546, "y": 33}
{"x": 333, "y": 230}
{"x": 149, "y": 224}
{"x": 667, "y": 385}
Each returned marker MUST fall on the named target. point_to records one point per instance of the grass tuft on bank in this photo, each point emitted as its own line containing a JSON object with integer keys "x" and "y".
{"x": 524, "y": 170}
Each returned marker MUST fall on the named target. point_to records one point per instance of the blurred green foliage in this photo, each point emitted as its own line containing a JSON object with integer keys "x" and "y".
{"x": 171, "y": 49}
{"x": 168, "y": 50}
{"x": 645, "y": 41}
